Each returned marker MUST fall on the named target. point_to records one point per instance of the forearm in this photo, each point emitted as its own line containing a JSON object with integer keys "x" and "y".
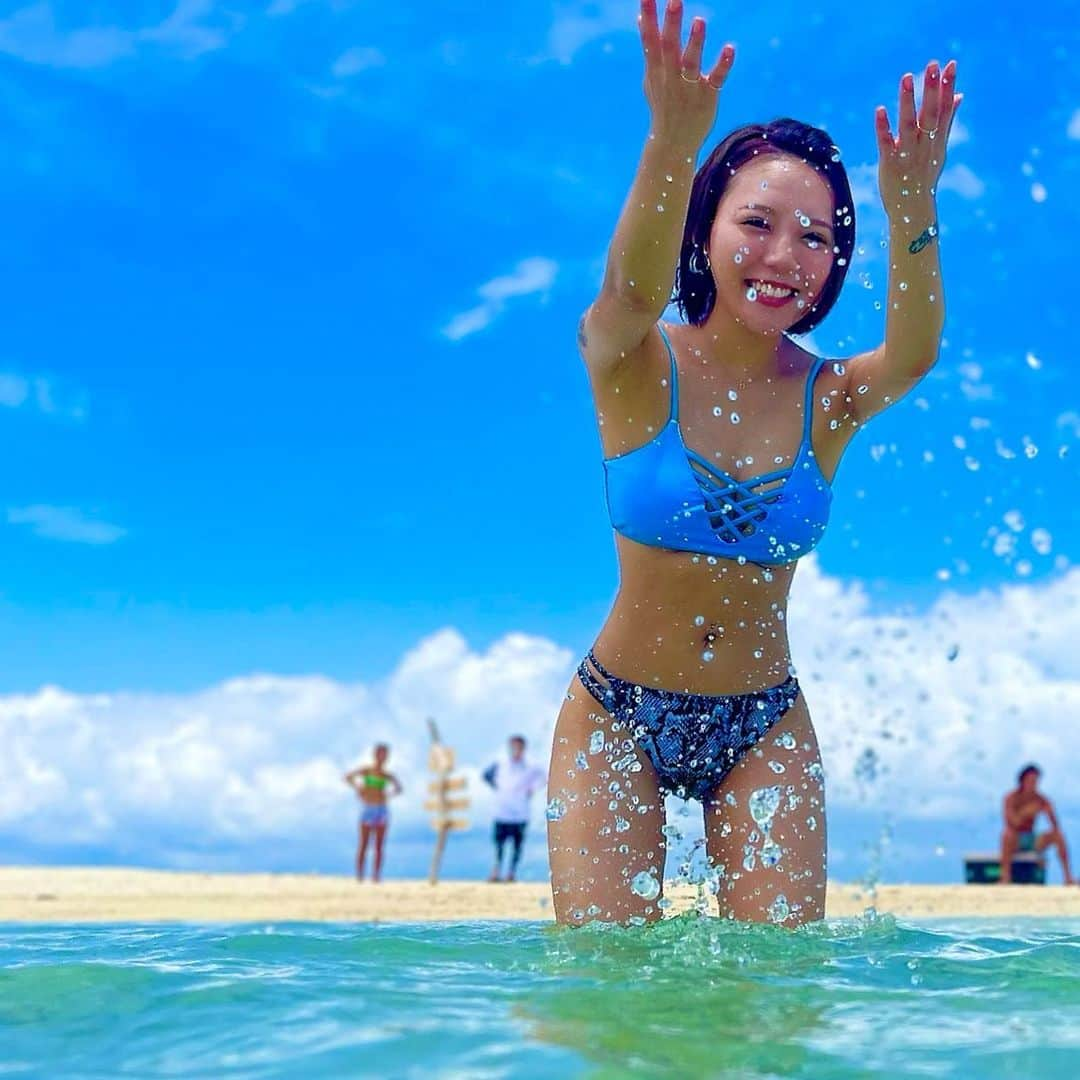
{"x": 916, "y": 312}
{"x": 645, "y": 248}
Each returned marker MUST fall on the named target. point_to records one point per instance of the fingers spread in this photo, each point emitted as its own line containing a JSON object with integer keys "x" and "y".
{"x": 671, "y": 36}
{"x": 886, "y": 143}
{"x": 691, "y": 60}
{"x": 719, "y": 73}
{"x": 907, "y": 105}
{"x": 650, "y": 34}
{"x": 930, "y": 110}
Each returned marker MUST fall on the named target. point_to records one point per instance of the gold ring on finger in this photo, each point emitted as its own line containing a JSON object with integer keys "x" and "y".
{"x": 690, "y": 78}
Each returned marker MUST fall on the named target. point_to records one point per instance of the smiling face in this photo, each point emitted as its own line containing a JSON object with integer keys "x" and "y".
{"x": 771, "y": 244}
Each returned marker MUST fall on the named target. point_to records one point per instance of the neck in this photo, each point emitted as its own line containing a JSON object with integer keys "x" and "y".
{"x": 723, "y": 342}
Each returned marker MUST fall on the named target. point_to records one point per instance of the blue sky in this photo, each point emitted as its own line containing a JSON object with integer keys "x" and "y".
{"x": 288, "y": 380}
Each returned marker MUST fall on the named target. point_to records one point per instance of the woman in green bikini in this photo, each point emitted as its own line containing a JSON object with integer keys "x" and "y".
{"x": 374, "y": 785}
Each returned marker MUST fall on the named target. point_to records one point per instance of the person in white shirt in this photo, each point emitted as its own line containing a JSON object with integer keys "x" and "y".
{"x": 514, "y": 781}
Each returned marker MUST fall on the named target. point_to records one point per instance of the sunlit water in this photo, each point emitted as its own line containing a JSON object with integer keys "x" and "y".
{"x": 688, "y": 998}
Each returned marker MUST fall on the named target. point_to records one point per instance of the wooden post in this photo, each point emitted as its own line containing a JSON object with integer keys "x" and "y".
{"x": 441, "y": 765}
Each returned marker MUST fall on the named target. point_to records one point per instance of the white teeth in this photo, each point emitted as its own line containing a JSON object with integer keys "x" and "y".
{"x": 775, "y": 291}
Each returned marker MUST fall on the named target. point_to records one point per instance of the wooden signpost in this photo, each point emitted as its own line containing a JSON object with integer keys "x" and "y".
{"x": 441, "y": 805}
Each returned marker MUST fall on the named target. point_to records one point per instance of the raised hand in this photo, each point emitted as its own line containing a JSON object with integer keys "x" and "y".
{"x": 683, "y": 100}
{"x": 911, "y": 162}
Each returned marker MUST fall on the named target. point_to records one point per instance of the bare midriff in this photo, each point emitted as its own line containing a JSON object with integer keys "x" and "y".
{"x": 696, "y": 623}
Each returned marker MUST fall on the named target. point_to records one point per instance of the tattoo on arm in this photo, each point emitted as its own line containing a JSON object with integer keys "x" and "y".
{"x": 923, "y": 239}
{"x": 582, "y": 339}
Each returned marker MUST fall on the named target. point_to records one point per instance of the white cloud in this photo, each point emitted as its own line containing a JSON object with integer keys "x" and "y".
{"x": 14, "y": 390}
{"x": 963, "y": 181}
{"x": 32, "y": 34}
{"x": 534, "y": 275}
{"x": 576, "y": 25}
{"x": 959, "y": 134}
{"x": 40, "y": 395}
{"x": 1073, "y": 130}
{"x": 64, "y": 523}
{"x": 353, "y": 61}
{"x": 249, "y": 772}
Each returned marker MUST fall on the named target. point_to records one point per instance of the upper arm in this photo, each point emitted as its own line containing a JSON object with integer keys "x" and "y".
{"x": 613, "y": 330}
{"x": 874, "y": 383}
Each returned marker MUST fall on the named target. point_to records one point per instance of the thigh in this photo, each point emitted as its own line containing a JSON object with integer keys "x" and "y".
{"x": 605, "y": 818}
{"x": 765, "y": 827}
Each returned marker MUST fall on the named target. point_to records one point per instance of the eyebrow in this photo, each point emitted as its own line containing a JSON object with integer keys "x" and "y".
{"x": 770, "y": 210}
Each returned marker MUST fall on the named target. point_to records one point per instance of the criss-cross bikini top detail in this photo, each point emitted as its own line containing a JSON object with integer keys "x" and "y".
{"x": 666, "y": 495}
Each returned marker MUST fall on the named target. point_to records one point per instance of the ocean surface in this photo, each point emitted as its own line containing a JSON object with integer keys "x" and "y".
{"x": 691, "y": 997}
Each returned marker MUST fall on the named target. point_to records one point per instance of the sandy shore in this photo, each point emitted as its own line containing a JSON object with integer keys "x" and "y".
{"x": 71, "y": 894}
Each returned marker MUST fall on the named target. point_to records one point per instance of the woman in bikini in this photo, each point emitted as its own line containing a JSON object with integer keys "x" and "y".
{"x": 374, "y": 785}
{"x": 720, "y": 438}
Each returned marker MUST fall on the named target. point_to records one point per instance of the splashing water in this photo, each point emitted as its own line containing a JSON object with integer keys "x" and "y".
{"x": 645, "y": 885}
{"x": 556, "y": 810}
{"x": 763, "y": 805}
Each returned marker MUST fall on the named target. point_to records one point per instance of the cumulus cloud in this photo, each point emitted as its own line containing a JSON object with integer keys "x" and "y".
{"x": 32, "y": 34}
{"x": 357, "y": 59}
{"x": 65, "y": 523}
{"x": 922, "y": 717}
{"x": 534, "y": 275}
{"x": 38, "y": 394}
{"x": 963, "y": 181}
{"x": 577, "y": 25}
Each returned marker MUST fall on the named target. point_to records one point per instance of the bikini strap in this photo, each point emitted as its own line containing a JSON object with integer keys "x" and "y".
{"x": 808, "y": 404}
{"x": 673, "y": 411}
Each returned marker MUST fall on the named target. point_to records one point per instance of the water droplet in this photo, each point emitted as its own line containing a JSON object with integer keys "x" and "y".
{"x": 1041, "y": 541}
{"x": 903, "y": 286}
{"x": 763, "y": 803}
{"x": 735, "y": 418}
{"x": 621, "y": 824}
{"x": 1033, "y": 361}
{"x": 779, "y": 909}
{"x": 596, "y": 741}
{"x": 707, "y": 655}
{"x": 751, "y": 294}
{"x": 699, "y": 620}
{"x": 556, "y": 810}
{"x": 645, "y": 886}
{"x": 738, "y": 256}
{"x": 580, "y": 760}
{"x": 771, "y": 853}
{"x": 777, "y": 767}
{"x": 717, "y": 411}
{"x": 862, "y": 389}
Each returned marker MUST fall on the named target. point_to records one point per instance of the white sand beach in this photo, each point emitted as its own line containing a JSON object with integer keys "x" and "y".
{"x": 74, "y": 894}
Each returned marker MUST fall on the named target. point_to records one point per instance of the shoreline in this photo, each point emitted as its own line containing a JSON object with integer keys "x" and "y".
{"x": 31, "y": 894}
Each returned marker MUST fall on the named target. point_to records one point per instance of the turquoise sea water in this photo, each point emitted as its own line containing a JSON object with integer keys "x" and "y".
{"x": 687, "y": 998}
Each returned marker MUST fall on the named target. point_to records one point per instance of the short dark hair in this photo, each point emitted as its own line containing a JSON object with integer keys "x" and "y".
{"x": 1027, "y": 769}
{"x": 695, "y": 290}
{"x": 384, "y": 747}
{"x": 518, "y": 738}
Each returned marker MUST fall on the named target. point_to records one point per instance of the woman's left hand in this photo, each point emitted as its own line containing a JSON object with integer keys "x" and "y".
{"x": 911, "y": 162}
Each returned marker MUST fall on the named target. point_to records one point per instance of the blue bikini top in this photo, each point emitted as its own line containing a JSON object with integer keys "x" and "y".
{"x": 666, "y": 495}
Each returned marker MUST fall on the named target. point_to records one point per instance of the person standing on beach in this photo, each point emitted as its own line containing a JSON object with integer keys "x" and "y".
{"x": 720, "y": 436}
{"x": 514, "y": 781}
{"x": 1020, "y": 809}
{"x": 374, "y": 785}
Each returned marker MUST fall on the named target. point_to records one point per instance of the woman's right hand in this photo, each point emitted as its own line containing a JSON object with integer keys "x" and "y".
{"x": 683, "y": 100}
